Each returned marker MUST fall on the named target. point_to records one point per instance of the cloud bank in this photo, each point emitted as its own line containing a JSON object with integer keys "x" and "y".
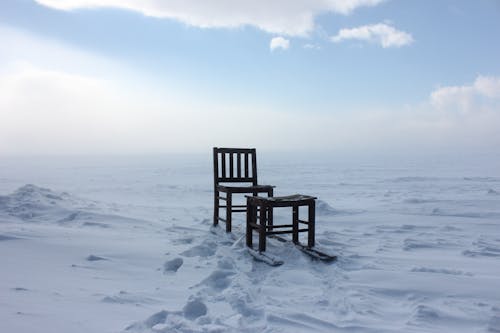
{"x": 381, "y": 33}
{"x": 52, "y": 103}
{"x": 285, "y": 17}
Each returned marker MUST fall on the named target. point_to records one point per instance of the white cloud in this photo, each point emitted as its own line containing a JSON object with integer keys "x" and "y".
{"x": 279, "y": 43}
{"x": 482, "y": 94}
{"x": 380, "y": 33}
{"x": 287, "y": 17}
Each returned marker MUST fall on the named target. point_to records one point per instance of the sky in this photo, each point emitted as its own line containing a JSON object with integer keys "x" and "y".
{"x": 145, "y": 77}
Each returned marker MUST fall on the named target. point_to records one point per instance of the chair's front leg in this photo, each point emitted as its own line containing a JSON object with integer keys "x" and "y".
{"x": 229, "y": 210}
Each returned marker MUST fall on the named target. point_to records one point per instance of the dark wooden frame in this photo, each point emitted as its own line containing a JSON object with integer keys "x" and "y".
{"x": 237, "y": 166}
{"x": 264, "y": 206}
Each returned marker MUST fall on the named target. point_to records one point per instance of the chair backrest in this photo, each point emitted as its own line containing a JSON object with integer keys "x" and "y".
{"x": 235, "y": 165}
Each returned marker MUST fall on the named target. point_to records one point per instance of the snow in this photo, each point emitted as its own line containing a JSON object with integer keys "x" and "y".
{"x": 126, "y": 244}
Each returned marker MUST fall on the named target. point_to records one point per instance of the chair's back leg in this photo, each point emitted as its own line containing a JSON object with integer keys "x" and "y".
{"x": 229, "y": 211}
{"x": 216, "y": 192}
{"x": 216, "y": 207}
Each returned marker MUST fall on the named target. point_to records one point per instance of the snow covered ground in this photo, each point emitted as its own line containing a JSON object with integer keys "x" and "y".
{"x": 126, "y": 244}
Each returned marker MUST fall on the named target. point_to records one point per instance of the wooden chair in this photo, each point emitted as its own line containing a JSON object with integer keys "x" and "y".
{"x": 235, "y": 171}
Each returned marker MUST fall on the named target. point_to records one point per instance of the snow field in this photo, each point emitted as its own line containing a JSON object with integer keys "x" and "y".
{"x": 418, "y": 247}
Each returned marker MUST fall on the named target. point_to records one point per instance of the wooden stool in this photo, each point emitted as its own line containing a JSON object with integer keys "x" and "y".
{"x": 266, "y": 227}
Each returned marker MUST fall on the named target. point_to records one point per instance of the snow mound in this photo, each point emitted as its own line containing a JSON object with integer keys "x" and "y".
{"x": 493, "y": 192}
{"x": 33, "y": 193}
{"x": 94, "y": 258}
{"x": 324, "y": 209}
{"x": 31, "y": 203}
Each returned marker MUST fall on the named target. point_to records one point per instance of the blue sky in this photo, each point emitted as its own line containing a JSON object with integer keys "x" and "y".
{"x": 353, "y": 74}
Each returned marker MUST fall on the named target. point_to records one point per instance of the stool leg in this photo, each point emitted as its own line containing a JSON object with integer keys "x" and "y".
{"x": 251, "y": 217}
{"x": 270, "y": 213}
{"x": 229, "y": 210}
{"x": 312, "y": 220}
{"x": 295, "y": 223}
{"x": 270, "y": 216}
{"x": 262, "y": 228}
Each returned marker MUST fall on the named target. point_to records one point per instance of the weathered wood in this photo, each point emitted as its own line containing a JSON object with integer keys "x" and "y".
{"x": 246, "y": 165}
{"x": 265, "y": 226}
{"x": 312, "y": 223}
{"x": 295, "y": 228}
{"x": 254, "y": 166}
{"x": 231, "y": 165}
{"x": 250, "y": 215}
{"x": 238, "y": 164}
{"x": 262, "y": 228}
{"x": 229, "y": 211}
{"x": 223, "y": 160}
{"x": 311, "y": 251}
{"x": 266, "y": 258}
{"x": 229, "y": 172}
{"x": 216, "y": 192}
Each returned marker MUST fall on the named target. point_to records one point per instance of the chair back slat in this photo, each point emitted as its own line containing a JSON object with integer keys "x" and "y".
{"x": 223, "y": 160}
{"x": 254, "y": 167}
{"x": 238, "y": 163}
{"x": 235, "y": 165}
{"x": 246, "y": 165}
{"x": 231, "y": 165}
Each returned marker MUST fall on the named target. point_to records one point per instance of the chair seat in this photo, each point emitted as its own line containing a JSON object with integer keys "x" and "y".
{"x": 244, "y": 189}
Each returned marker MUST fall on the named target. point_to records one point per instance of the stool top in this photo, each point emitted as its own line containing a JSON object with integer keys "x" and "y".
{"x": 289, "y": 199}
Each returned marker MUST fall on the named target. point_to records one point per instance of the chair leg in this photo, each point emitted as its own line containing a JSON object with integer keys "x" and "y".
{"x": 216, "y": 207}
{"x": 229, "y": 210}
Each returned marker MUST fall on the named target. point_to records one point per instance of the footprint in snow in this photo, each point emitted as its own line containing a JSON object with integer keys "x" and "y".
{"x": 194, "y": 309}
{"x": 171, "y": 266}
{"x": 220, "y": 278}
{"x": 205, "y": 249}
{"x": 179, "y": 321}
